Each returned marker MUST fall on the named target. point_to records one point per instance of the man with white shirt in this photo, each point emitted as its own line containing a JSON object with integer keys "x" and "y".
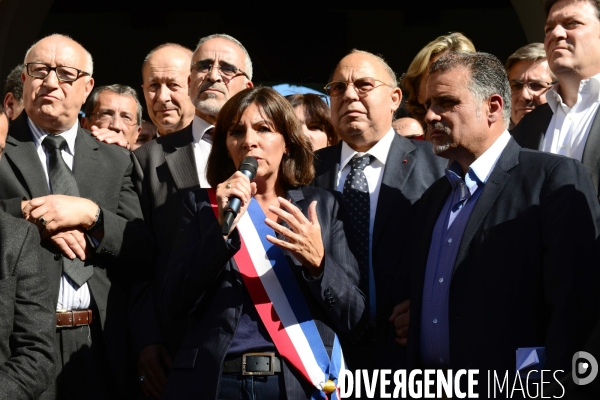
{"x": 58, "y": 177}
{"x": 503, "y": 256}
{"x": 568, "y": 125}
{"x": 364, "y": 95}
{"x": 220, "y": 67}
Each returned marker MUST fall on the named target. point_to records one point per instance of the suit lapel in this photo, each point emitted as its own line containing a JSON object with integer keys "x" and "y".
{"x": 86, "y": 163}
{"x": 328, "y": 167}
{"x": 182, "y": 162}
{"x": 398, "y": 166}
{"x": 530, "y": 132}
{"x": 591, "y": 152}
{"x": 492, "y": 189}
{"x": 21, "y": 152}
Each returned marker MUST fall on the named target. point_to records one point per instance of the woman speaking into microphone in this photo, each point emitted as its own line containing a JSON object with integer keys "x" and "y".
{"x": 267, "y": 298}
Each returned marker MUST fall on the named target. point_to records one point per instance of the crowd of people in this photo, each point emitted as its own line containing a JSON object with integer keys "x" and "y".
{"x": 244, "y": 245}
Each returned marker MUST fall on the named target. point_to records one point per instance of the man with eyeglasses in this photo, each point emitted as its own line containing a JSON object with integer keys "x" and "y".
{"x": 530, "y": 78}
{"x": 115, "y": 108}
{"x": 166, "y": 167}
{"x": 79, "y": 194}
{"x": 364, "y": 96}
{"x": 569, "y": 124}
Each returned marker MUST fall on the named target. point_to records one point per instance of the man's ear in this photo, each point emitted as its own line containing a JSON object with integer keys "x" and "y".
{"x": 89, "y": 85}
{"x": 396, "y": 97}
{"x": 9, "y": 104}
{"x": 249, "y": 85}
{"x": 495, "y": 105}
{"x": 85, "y": 123}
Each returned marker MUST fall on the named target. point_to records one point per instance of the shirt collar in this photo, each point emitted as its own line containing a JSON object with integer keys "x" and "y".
{"x": 379, "y": 151}
{"x": 587, "y": 88}
{"x": 39, "y": 135}
{"x": 199, "y": 128}
{"x": 480, "y": 169}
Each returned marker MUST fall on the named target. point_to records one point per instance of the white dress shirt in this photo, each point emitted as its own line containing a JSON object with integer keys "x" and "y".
{"x": 570, "y": 126}
{"x": 69, "y": 296}
{"x": 202, "y": 146}
{"x": 374, "y": 174}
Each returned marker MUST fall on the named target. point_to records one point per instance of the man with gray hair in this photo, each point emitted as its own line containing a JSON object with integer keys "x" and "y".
{"x": 530, "y": 78}
{"x": 503, "y": 261}
{"x": 13, "y": 93}
{"x": 115, "y": 108}
{"x": 364, "y": 96}
{"x": 78, "y": 192}
{"x": 220, "y": 67}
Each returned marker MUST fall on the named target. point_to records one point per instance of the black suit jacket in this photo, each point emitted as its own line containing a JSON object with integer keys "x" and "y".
{"x": 525, "y": 273}
{"x": 103, "y": 174}
{"x": 27, "y": 315}
{"x": 411, "y": 167}
{"x": 164, "y": 169}
{"x": 530, "y": 132}
{"x": 204, "y": 283}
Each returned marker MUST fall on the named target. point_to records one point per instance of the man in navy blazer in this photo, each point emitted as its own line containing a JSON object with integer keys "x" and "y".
{"x": 400, "y": 172}
{"x": 503, "y": 256}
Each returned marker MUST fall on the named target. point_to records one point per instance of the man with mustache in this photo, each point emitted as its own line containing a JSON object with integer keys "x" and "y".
{"x": 364, "y": 96}
{"x": 220, "y": 68}
{"x": 569, "y": 124}
{"x": 502, "y": 255}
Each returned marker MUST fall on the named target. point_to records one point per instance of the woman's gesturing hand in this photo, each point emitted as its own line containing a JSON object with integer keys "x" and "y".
{"x": 303, "y": 238}
{"x": 238, "y": 185}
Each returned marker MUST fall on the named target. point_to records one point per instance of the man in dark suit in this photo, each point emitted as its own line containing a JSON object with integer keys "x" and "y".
{"x": 569, "y": 124}
{"x": 27, "y": 312}
{"x": 364, "y": 96}
{"x": 80, "y": 195}
{"x": 503, "y": 261}
{"x": 168, "y": 166}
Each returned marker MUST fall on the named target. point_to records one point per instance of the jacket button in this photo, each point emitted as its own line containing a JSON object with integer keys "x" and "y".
{"x": 57, "y": 256}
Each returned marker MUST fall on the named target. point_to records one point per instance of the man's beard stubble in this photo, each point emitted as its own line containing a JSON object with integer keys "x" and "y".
{"x": 440, "y": 148}
{"x": 211, "y": 105}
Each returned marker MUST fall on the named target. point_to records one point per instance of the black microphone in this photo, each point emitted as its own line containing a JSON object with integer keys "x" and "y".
{"x": 248, "y": 167}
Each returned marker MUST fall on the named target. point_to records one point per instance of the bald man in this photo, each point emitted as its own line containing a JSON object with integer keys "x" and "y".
{"x": 364, "y": 96}
{"x": 219, "y": 68}
{"x": 165, "y": 75}
{"x": 78, "y": 192}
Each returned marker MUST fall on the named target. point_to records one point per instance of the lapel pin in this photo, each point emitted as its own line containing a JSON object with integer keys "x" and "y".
{"x": 404, "y": 161}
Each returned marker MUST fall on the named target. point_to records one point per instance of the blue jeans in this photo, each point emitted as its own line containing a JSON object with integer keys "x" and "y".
{"x": 241, "y": 387}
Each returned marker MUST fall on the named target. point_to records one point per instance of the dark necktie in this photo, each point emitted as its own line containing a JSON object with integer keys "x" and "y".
{"x": 62, "y": 181}
{"x": 358, "y": 209}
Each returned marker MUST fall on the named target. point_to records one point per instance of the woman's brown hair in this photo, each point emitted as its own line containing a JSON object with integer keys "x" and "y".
{"x": 296, "y": 168}
{"x": 316, "y": 112}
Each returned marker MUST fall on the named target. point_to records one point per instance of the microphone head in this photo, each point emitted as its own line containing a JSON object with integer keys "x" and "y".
{"x": 249, "y": 164}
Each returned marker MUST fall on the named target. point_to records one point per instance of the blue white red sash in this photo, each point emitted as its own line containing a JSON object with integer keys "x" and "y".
{"x": 280, "y": 303}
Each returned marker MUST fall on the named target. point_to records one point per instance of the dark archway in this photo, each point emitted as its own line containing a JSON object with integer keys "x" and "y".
{"x": 302, "y": 46}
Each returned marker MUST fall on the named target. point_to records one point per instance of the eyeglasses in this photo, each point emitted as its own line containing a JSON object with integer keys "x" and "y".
{"x": 226, "y": 71}
{"x": 108, "y": 117}
{"x": 534, "y": 87}
{"x": 63, "y": 74}
{"x": 362, "y": 86}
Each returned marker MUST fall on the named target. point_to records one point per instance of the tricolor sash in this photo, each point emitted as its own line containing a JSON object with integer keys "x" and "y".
{"x": 281, "y": 305}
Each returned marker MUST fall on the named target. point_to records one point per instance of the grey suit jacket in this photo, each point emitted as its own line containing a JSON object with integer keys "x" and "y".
{"x": 164, "y": 168}
{"x": 530, "y": 132}
{"x": 205, "y": 284}
{"x": 103, "y": 174}
{"x": 27, "y": 313}
{"x": 411, "y": 167}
